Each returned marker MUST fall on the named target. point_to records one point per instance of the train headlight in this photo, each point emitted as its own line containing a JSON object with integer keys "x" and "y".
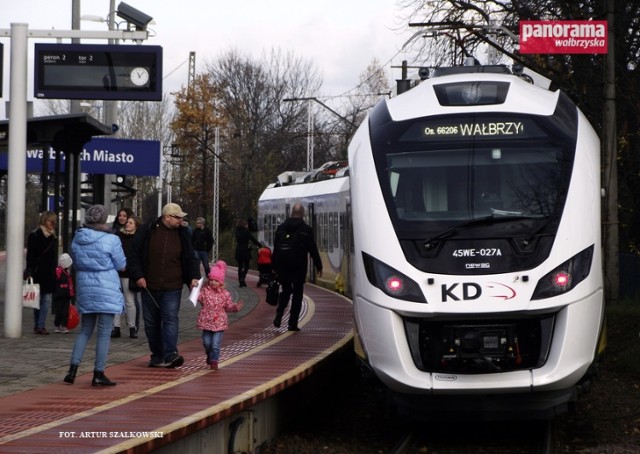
{"x": 391, "y": 281}
{"x": 394, "y": 284}
{"x": 566, "y": 276}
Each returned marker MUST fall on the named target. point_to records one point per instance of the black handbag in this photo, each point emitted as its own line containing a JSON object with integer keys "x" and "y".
{"x": 273, "y": 292}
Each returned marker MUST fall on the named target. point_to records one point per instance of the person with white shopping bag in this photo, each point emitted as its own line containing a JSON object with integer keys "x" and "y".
{"x": 42, "y": 260}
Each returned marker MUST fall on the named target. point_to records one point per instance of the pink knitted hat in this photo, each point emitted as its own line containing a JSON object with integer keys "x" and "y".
{"x": 218, "y": 271}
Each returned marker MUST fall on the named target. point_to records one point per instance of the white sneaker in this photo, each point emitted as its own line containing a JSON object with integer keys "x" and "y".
{"x": 64, "y": 330}
{"x": 57, "y": 330}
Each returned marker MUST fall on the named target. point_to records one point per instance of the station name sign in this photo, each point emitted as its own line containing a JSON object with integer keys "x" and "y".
{"x": 94, "y": 71}
{"x": 563, "y": 37}
{"x": 104, "y": 156}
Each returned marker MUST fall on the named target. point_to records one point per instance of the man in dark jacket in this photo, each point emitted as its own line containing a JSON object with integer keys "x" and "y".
{"x": 293, "y": 241}
{"x": 162, "y": 261}
{"x": 243, "y": 249}
{"x": 202, "y": 243}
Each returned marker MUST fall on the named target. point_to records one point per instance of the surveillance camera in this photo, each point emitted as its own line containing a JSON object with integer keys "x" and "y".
{"x": 133, "y": 16}
{"x": 423, "y": 73}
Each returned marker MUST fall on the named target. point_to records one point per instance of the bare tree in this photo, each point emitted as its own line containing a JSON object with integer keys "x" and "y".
{"x": 264, "y": 135}
{"x": 373, "y": 83}
{"x": 150, "y": 121}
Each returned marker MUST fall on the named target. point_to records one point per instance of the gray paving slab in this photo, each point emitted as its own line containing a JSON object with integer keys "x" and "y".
{"x": 36, "y": 360}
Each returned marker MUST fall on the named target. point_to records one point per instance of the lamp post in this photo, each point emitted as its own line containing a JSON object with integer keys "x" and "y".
{"x": 110, "y": 112}
{"x": 215, "y": 216}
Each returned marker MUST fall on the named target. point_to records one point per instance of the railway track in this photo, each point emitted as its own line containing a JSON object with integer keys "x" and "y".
{"x": 530, "y": 437}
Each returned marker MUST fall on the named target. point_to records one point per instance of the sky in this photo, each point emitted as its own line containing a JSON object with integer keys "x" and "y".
{"x": 341, "y": 37}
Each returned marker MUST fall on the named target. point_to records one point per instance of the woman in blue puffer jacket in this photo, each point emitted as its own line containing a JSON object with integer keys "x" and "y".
{"x": 97, "y": 257}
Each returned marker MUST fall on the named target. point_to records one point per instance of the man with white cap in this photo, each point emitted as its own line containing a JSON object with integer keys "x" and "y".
{"x": 162, "y": 261}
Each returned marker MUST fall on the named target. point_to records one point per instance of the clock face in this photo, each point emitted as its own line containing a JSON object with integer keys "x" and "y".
{"x": 139, "y": 76}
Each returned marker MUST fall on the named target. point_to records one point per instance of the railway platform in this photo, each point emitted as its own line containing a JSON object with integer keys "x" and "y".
{"x": 191, "y": 408}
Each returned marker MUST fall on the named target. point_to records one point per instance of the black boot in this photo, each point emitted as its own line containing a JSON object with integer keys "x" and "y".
{"x": 133, "y": 333}
{"x": 115, "y": 332}
{"x": 71, "y": 375}
{"x": 100, "y": 379}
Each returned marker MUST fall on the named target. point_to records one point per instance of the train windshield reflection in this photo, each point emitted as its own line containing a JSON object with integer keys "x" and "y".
{"x": 466, "y": 184}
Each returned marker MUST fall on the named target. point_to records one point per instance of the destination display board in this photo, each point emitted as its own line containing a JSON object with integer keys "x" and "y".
{"x": 94, "y": 71}
{"x": 478, "y": 127}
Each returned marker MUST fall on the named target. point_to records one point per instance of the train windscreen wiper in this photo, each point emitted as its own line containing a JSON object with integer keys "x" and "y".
{"x": 496, "y": 216}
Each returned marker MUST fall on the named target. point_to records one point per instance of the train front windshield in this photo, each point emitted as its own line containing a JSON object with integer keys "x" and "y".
{"x": 461, "y": 185}
{"x": 439, "y": 172}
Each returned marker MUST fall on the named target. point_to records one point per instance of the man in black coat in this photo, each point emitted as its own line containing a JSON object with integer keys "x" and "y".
{"x": 293, "y": 241}
{"x": 243, "y": 249}
{"x": 202, "y": 243}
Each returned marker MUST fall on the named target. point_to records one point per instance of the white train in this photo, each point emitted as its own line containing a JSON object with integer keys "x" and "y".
{"x": 476, "y": 256}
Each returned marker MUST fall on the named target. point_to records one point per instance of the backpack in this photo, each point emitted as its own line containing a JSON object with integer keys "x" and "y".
{"x": 288, "y": 251}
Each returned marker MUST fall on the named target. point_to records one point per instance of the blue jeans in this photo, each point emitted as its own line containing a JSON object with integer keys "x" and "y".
{"x": 212, "y": 340}
{"x": 40, "y": 315}
{"x": 203, "y": 257}
{"x": 88, "y": 323}
{"x": 160, "y": 314}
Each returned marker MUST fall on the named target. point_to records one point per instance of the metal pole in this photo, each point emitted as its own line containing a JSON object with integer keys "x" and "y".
{"x": 215, "y": 217}
{"x": 17, "y": 176}
{"x": 110, "y": 110}
{"x": 610, "y": 173}
{"x": 74, "y": 104}
{"x": 309, "y": 136}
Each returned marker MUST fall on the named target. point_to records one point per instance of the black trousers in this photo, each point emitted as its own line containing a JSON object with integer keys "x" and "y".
{"x": 243, "y": 269}
{"x": 293, "y": 289}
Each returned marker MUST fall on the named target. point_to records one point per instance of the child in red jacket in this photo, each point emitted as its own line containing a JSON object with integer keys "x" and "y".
{"x": 64, "y": 293}
{"x": 212, "y": 319}
{"x": 264, "y": 265}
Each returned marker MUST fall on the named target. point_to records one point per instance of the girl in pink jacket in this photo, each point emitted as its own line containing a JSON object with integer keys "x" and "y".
{"x": 212, "y": 319}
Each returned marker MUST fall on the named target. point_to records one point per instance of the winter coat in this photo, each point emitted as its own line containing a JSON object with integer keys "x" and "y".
{"x": 138, "y": 264}
{"x": 296, "y": 268}
{"x": 64, "y": 284}
{"x": 42, "y": 260}
{"x": 243, "y": 248}
{"x": 127, "y": 240}
{"x": 264, "y": 256}
{"x": 202, "y": 239}
{"x": 216, "y": 302}
{"x": 97, "y": 257}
